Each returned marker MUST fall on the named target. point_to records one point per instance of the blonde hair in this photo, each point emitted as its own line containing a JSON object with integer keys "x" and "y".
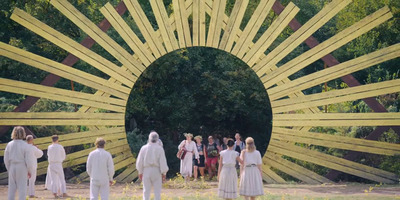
{"x": 100, "y": 142}
{"x": 18, "y": 133}
{"x": 250, "y": 146}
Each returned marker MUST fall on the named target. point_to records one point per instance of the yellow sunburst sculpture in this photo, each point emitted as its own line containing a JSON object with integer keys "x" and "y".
{"x": 113, "y": 94}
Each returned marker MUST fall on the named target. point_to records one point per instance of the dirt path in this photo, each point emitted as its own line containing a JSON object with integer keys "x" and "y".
{"x": 134, "y": 191}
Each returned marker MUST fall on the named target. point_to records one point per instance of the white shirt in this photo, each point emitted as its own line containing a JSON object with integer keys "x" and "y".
{"x": 229, "y": 156}
{"x": 37, "y": 153}
{"x": 56, "y": 153}
{"x": 152, "y": 155}
{"x": 18, "y": 151}
{"x": 100, "y": 165}
{"x": 251, "y": 157}
{"x": 191, "y": 147}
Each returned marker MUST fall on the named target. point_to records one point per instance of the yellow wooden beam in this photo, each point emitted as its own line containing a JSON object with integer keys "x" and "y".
{"x": 73, "y": 47}
{"x": 131, "y": 39}
{"x": 215, "y": 27}
{"x": 336, "y": 71}
{"x": 199, "y": 23}
{"x": 252, "y": 27}
{"x": 327, "y": 46}
{"x": 336, "y": 96}
{"x": 337, "y": 119}
{"x": 182, "y": 24}
{"x": 312, "y": 25}
{"x": 63, "y": 70}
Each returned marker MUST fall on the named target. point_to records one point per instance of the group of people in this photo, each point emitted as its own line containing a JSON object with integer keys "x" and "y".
{"x": 20, "y": 159}
{"x": 230, "y": 155}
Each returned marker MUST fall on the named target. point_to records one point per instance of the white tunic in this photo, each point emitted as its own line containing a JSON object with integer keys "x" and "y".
{"x": 100, "y": 166}
{"x": 251, "y": 181}
{"x": 151, "y": 155}
{"x": 56, "y": 153}
{"x": 37, "y": 154}
{"x": 187, "y": 162}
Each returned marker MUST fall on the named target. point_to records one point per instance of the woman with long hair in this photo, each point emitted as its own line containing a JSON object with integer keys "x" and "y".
{"x": 187, "y": 162}
{"x": 251, "y": 184}
{"x": 227, "y": 175}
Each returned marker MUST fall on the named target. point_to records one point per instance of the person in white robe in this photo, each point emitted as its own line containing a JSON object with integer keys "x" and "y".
{"x": 56, "y": 155}
{"x": 187, "y": 162}
{"x": 151, "y": 164}
{"x": 100, "y": 168}
{"x": 18, "y": 162}
{"x": 37, "y": 153}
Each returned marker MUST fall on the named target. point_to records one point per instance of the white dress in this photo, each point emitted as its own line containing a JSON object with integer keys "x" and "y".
{"x": 250, "y": 180}
{"x": 187, "y": 162}
{"x": 227, "y": 186}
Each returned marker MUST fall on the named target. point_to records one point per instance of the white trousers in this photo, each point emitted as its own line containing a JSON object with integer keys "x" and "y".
{"x": 152, "y": 177}
{"x": 17, "y": 177}
{"x": 31, "y": 183}
{"x": 99, "y": 187}
{"x": 57, "y": 178}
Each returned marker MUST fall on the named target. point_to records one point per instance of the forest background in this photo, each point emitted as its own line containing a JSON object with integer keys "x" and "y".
{"x": 202, "y": 90}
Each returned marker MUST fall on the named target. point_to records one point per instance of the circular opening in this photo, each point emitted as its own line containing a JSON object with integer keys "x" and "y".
{"x": 200, "y": 90}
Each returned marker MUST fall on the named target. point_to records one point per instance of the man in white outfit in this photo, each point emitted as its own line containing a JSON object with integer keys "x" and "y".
{"x": 56, "y": 155}
{"x": 18, "y": 162}
{"x": 152, "y": 167}
{"x": 100, "y": 167}
{"x": 37, "y": 153}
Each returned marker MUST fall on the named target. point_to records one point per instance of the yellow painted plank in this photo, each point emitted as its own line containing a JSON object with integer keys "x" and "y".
{"x": 130, "y": 169}
{"x": 334, "y": 141}
{"x": 336, "y": 71}
{"x": 215, "y": 27}
{"x": 262, "y": 44}
{"x": 63, "y": 70}
{"x": 288, "y": 170}
{"x": 233, "y": 24}
{"x": 131, "y": 177}
{"x": 328, "y": 46}
{"x": 336, "y": 96}
{"x": 60, "y": 115}
{"x": 57, "y": 94}
{"x": 131, "y": 39}
{"x": 332, "y": 162}
{"x": 164, "y": 26}
{"x": 337, "y": 119}
{"x": 305, "y": 31}
{"x": 297, "y": 169}
{"x": 252, "y": 27}
{"x": 274, "y": 178}
{"x": 199, "y": 23}
{"x": 145, "y": 28}
{"x": 73, "y": 47}
{"x": 99, "y": 36}
{"x": 182, "y": 24}
{"x": 60, "y": 122}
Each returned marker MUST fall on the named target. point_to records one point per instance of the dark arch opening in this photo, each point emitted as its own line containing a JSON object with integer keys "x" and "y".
{"x": 201, "y": 90}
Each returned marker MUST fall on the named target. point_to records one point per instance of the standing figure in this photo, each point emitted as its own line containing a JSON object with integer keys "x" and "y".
{"x": 227, "y": 175}
{"x": 56, "y": 155}
{"x": 100, "y": 168}
{"x": 187, "y": 161}
{"x": 239, "y": 144}
{"x": 251, "y": 184}
{"x": 37, "y": 153}
{"x": 224, "y": 145}
{"x": 18, "y": 161}
{"x": 202, "y": 151}
{"x": 211, "y": 157}
{"x": 152, "y": 167}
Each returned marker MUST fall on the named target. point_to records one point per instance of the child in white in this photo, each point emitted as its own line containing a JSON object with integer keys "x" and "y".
{"x": 251, "y": 184}
{"x": 100, "y": 167}
{"x": 37, "y": 153}
{"x": 18, "y": 162}
{"x": 152, "y": 167}
{"x": 227, "y": 175}
{"x": 56, "y": 155}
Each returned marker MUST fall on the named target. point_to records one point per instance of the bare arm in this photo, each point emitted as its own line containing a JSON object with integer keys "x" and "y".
{"x": 219, "y": 166}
